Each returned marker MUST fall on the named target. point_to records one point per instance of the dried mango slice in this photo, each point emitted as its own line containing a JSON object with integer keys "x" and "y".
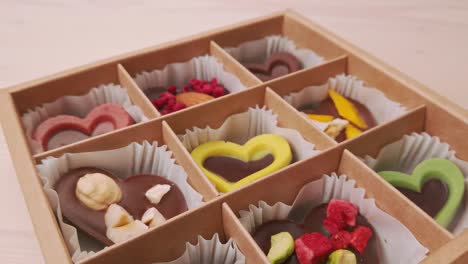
{"x": 346, "y": 109}
{"x": 321, "y": 118}
{"x": 352, "y": 131}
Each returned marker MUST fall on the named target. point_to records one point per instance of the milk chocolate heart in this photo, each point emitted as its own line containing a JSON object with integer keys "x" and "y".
{"x": 111, "y": 113}
{"x": 255, "y": 149}
{"x": 133, "y": 200}
{"x": 433, "y": 169}
{"x": 278, "y": 64}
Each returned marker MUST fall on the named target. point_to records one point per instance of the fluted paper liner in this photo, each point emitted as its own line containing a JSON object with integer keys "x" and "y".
{"x": 258, "y": 51}
{"x": 179, "y": 74}
{"x": 134, "y": 159}
{"x": 78, "y": 106}
{"x": 396, "y": 243}
{"x": 404, "y": 155}
{"x": 382, "y": 108}
{"x": 210, "y": 251}
{"x": 239, "y": 128}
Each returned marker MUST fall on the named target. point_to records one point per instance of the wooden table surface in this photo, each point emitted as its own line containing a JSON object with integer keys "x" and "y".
{"x": 426, "y": 39}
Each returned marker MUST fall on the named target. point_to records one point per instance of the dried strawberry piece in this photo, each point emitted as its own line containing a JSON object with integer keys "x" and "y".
{"x": 340, "y": 240}
{"x": 340, "y": 214}
{"x": 172, "y": 89}
{"x": 185, "y": 89}
{"x": 207, "y": 89}
{"x": 359, "y": 238}
{"x": 158, "y": 103}
{"x": 178, "y": 106}
{"x": 312, "y": 248}
{"x": 218, "y": 91}
{"x": 214, "y": 82}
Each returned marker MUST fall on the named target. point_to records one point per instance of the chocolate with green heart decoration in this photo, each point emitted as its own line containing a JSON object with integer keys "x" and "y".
{"x": 258, "y": 157}
{"x": 433, "y": 169}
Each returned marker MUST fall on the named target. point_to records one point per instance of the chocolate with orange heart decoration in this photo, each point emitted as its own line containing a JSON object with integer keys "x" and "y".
{"x": 237, "y": 165}
{"x": 278, "y": 64}
{"x": 111, "y": 113}
{"x": 85, "y": 195}
{"x": 427, "y": 172}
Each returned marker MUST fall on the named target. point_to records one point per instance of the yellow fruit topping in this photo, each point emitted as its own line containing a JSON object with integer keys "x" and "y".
{"x": 346, "y": 109}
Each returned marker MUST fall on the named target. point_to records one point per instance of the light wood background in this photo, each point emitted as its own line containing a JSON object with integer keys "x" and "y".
{"x": 426, "y": 39}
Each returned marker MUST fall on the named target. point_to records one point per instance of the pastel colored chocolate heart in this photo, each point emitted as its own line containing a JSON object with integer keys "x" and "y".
{"x": 254, "y": 149}
{"x": 111, "y": 113}
{"x": 278, "y": 64}
{"x": 439, "y": 169}
{"x": 133, "y": 200}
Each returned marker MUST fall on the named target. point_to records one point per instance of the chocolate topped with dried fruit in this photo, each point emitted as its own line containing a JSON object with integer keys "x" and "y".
{"x": 195, "y": 92}
{"x": 327, "y": 229}
{"x": 277, "y": 65}
{"x": 113, "y": 210}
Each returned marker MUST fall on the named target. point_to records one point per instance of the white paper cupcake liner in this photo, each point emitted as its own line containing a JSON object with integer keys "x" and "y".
{"x": 210, "y": 251}
{"x": 239, "y": 128}
{"x": 179, "y": 74}
{"x": 397, "y": 244}
{"x": 79, "y": 106}
{"x": 404, "y": 155}
{"x": 382, "y": 108}
{"x": 258, "y": 51}
{"x": 134, "y": 159}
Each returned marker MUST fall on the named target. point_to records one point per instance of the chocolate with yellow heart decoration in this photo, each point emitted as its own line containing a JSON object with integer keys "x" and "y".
{"x": 256, "y": 149}
{"x": 433, "y": 169}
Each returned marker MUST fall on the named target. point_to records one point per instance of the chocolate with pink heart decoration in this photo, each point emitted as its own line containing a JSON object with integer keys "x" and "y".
{"x": 102, "y": 119}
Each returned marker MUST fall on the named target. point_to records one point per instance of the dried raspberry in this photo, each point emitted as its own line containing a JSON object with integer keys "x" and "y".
{"x": 312, "y": 248}
{"x": 194, "y": 82}
{"x": 172, "y": 89}
{"x": 340, "y": 213}
{"x": 166, "y": 95}
{"x": 207, "y": 89}
{"x": 340, "y": 240}
{"x": 166, "y": 111}
{"x": 214, "y": 82}
{"x": 170, "y": 103}
{"x": 218, "y": 91}
{"x": 158, "y": 103}
{"x": 178, "y": 106}
{"x": 359, "y": 238}
{"x": 185, "y": 89}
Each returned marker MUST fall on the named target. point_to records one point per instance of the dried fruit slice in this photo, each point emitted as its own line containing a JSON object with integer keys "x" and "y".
{"x": 340, "y": 214}
{"x": 352, "y": 131}
{"x": 193, "y": 98}
{"x": 321, "y": 118}
{"x": 346, "y": 109}
{"x": 359, "y": 238}
{"x": 282, "y": 246}
{"x": 312, "y": 248}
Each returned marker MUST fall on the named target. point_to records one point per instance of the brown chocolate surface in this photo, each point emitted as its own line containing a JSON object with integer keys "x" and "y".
{"x": 432, "y": 198}
{"x": 233, "y": 169}
{"x": 327, "y": 107}
{"x": 133, "y": 200}
{"x": 278, "y": 64}
{"x": 313, "y": 223}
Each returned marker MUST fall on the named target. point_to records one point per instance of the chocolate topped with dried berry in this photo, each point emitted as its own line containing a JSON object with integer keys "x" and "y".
{"x": 334, "y": 230}
{"x": 195, "y": 92}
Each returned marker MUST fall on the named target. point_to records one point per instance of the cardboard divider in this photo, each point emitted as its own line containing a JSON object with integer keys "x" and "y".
{"x": 196, "y": 177}
{"x": 233, "y": 66}
{"x": 45, "y": 226}
{"x": 454, "y": 252}
{"x": 289, "y": 117}
{"x": 135, "y": 93}
{"x": 318, "y": 75}
{"x": 424, "y": 227}
{"x": 234, "y": 229}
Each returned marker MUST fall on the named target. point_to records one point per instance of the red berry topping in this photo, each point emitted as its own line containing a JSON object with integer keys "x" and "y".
{"x": 194, "y": 82}
{"x": 218, "y": 91}
{"x": 185, "y": 89}
{"x": 214, "y": 82}
{"x": 359, "y": 238}
{"x": 312, "y": 248}
{"x": 166, "y": 94}
{"x": 206, "y": 89}
{"x": 340, "y": 214}
{"x": 165, "y": 111}
{"x": 170, "y": 103}
{"x": 172, "y": 89}
{"x": 178, "y": 106}
{"x": 340, "y": 240}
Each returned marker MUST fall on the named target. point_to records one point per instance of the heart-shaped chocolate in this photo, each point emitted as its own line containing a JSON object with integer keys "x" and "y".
{"x": 433, "y": 169}
{"x": 106, "y": 113}
{"x": 278, "y": 64}
{"x": 255, "y": 149}
{"x": 313, "y": 223}
{"x": 133, "y": 200}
